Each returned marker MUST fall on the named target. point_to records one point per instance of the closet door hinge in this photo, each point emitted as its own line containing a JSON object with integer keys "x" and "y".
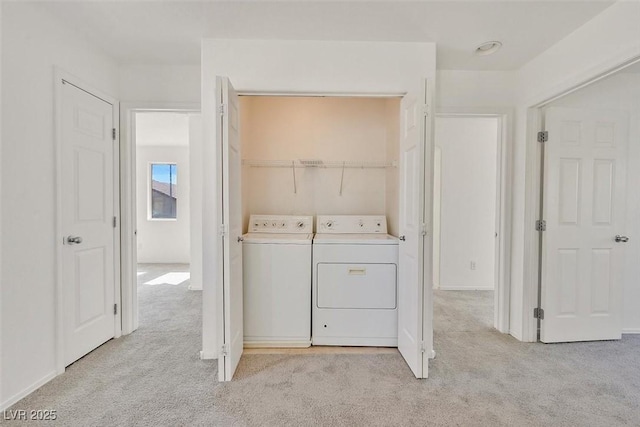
{"x": 538, "y": 313}
{"x": 115, "y": 222}
{"x": 224, "y": 350}
{"x": 425, "y": 110}
{"x": 222, "y": 109}
{"x": 541, "y": 225}
{"x": 423, "y": 230}
{"x": 113, "y": 134}
{"x": 423, "y": 347}
{"x": 543, "y": 136}
{"x": 115, "y": 309}
{"x": 223, "y": 230}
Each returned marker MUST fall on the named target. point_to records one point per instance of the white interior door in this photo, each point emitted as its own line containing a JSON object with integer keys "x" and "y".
{"x": 87, "y": 212}
{"x": 412, "y": 341}
{"x": 229, "y": 141}
{"x": 584, "y": 208}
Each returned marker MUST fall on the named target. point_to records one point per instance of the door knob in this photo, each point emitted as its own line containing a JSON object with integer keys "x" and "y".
{"x": 240, "y": 239}
{"x": 621, "y": 239}
{"x": 403, "y": 238}
{"x": 74, "y": 240}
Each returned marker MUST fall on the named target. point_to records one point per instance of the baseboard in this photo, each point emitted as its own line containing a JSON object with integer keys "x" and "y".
{"x": 466, "y": 288}
{"x": 24, "y": 393}
{"x": 515, "y": 334}
{"x": 631, "y": 331}
{"x": 208, "y": 356}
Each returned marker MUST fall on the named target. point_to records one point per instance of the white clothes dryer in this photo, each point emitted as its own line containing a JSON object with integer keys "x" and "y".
{"x": 277, "y": 281}
{"x": 355, "y": 282}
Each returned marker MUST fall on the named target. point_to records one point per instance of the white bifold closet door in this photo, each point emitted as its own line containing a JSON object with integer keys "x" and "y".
{"x": 229, "y": 197}
{"x": 414, "y": 267}
{"x": 584, "y": 209}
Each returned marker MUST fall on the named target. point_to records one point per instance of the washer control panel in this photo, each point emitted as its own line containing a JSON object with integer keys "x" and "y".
{"x": 281, "y": 224}
{"x": 351, "y": 224}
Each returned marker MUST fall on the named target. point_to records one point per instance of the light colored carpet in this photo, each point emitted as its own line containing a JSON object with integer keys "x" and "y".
{"x": 480, "y": 377}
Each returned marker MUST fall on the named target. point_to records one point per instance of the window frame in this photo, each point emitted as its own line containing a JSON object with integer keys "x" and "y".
{"x": 150, "y": 191}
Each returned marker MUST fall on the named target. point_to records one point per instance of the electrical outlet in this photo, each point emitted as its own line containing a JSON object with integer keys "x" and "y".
{"x": 472, "y": 265}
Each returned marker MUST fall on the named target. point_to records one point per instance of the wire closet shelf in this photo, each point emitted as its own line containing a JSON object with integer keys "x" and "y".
{"x": 318, "y": 164}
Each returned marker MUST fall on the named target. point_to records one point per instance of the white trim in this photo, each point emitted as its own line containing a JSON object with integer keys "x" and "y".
{"x": 129, "y": 308}
{"x": 504, "y": 189}
{"x": 208, "y": 356}
{"x": 27, "y": 391}
{"x": 467, "y": 288}
{"x": 532, "y": 179}
{"x": 59, "y": 76}
{"x": 630, "y": 331}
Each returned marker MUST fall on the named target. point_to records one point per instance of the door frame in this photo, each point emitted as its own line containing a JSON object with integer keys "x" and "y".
{"x": 504, "y": 189}
{"x": 427, "y": 317}
{"x": 128, "y": 212}
{"x": 533, "y": 184}
{"x": 59, "y": 76}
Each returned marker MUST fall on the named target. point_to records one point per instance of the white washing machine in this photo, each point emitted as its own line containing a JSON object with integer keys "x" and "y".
{"x": 355, "y": 282}
{"x": 277, "y": 281}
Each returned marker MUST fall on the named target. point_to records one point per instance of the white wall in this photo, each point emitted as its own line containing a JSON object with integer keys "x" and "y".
{"x": 610, "y": 38}
{"x": 476, "y": 89}
{"x": 160, "y": 83}
{"x": 163, "y": 241}
{"x": 294, "y": 66}
{"x": 2, "y": 402}
{"x": 469, "y": 149}
{"x": 622, "y": 92}
{"x": 32, "y": 44}
{"x": 326, "y": 129}
{"x": 195, "y": 196}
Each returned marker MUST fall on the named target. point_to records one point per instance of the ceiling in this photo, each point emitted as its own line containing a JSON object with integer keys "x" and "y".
{"x": 169, "y": 32}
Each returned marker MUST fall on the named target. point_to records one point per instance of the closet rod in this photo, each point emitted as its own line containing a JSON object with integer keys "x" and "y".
{"x": 318, "y": 164}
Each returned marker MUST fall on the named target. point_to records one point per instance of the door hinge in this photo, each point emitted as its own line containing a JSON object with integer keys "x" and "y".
{"x": 115, "y": 222}
{"x": 224, "y": 350}
{"x": 113, "y": 134}
{"x": 115, "y": 309}
{"x": 222, "y": 109}
{"x": 425, "y": 110}
{"x": 223, "y": 230}
{"x": 543, "y": 136}
{"x": 423, "y": 229}
{"x": 423, "y": 347}
{"x": 541, "y": 225}
{"x": 538, "y": 313}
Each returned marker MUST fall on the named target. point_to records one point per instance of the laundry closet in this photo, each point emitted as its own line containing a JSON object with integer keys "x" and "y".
{"x": 335, "y": 131}
{"x": 319, "y": 156}
{"x": 329, "y": 162}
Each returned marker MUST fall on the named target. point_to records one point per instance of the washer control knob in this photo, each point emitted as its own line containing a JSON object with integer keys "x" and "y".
{"x": 329, "y": 224}
{"x": 300, "y": 224}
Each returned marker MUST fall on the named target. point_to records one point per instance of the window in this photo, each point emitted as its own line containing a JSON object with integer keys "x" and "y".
{"x": 163, "y": 191}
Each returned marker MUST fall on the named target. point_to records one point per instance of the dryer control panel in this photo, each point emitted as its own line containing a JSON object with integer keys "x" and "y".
{"x": 281, "y": 224}
{"x": 351, "y": 224}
